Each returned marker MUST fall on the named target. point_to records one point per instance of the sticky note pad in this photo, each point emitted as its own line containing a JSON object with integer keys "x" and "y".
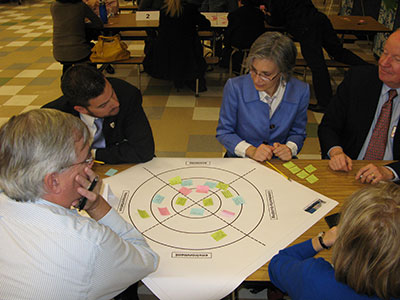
{"x": 197, "y": 211}
{"x": 303, "y": 174}
{"x": 238, "y": 200}
{"x": 111, "y": 172}
{"x": 210, "y": 184}
{"x": 312, "y": 179}
{"x": 158, "y": 199}
{"x": 143, "y": 214}
{"x": 219, "y": 235}
{"x": 295, "y": 169}
{"x": 202, "y": 189}
{"x": 164, "y": 211}
{"x": 185, "y": 191}
{"x": 289, "y": 165}
{"x": 227, "y": 194}
{"x": 208, "y": 202}
{"x": 310, "y": 168}
{"x": 187, "y": 182}
{"x": 180, "y": 201}
{"x": 222, "y": 186}
{"x": 175, "y": 180}
{"x": 227, "y": 213}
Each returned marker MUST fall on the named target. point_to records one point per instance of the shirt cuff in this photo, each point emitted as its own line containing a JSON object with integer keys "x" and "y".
{"x": 240, "y": 149}
{"x": 329, "y": 151}
{"x": 396, "y": 177}
{"x": 293, "y": 147}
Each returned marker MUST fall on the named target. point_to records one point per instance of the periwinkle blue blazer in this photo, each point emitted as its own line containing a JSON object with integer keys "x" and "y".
{"x": 244, "y": 117}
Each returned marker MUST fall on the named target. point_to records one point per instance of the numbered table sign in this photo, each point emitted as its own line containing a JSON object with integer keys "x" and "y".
{"x": 153, "y": 15}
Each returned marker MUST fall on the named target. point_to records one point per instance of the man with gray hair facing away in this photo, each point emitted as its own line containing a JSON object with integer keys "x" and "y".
{"x": 49, "y": 251}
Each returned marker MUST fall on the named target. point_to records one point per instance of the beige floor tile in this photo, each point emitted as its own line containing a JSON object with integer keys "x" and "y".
{"x": 206, "y": 113}
{"x": 181, "y": 101}
{"x": 29, "y": 73}
{"x": 20, "y": 100}
{"x": 9, "y": 111}
{"x": 10, "y": 89}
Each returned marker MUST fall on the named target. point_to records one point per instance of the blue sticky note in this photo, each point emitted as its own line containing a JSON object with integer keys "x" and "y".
{"x": 158, "y": 199}
{"x": 197, "y": 211}
{"x": 187, "y": 182}
{"x": 238, "y": 200}
{"x": 210, "y": 184}
{"x": 111, "y": 172}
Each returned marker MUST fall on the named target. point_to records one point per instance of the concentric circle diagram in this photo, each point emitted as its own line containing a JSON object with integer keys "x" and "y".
{"x": 197, "y": 208}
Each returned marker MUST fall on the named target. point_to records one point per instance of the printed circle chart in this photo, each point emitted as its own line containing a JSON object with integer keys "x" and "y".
{"x": 197, "y": 207}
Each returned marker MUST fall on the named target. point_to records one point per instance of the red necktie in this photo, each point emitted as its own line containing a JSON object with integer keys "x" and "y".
{"x": 377, "y": 144}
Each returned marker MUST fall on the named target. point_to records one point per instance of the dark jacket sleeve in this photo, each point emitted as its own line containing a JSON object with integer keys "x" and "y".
{"x": 129, "y": 138}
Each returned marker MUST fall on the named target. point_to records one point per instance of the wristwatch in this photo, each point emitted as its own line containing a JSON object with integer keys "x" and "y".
{"x": 321, "y": 240}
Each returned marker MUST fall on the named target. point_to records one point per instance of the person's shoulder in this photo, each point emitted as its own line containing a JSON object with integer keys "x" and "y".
{"x": 365, "y": 70}
{"x": 61, "y": 104}
{"x": 297, "y": 83}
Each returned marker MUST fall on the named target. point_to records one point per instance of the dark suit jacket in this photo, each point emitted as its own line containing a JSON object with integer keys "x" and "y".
{"x": 351, "y": 113}
{"x": 128, "y": 135}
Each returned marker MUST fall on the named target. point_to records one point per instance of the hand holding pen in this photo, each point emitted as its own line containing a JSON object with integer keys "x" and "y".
{"x": 89, "y": 188}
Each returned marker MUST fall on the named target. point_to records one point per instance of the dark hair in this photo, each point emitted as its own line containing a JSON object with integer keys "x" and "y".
{"x": 81, "y": 83}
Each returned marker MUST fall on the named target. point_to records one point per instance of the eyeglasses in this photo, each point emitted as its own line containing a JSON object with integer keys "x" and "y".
{"x": 262, "y": 75}
{"x": 88, "y": 161}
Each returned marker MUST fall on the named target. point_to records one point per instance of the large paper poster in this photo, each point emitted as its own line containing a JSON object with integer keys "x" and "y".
{"x": 212, "y": 221}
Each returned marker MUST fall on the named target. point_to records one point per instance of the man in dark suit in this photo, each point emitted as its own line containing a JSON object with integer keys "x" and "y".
{"x": 112, "y": 108}
{"x": 347, "y": 129}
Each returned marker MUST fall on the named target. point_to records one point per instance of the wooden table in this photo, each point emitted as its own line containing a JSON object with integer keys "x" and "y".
{"x": 335, "y": 185}
{"x": 341, "y": 24}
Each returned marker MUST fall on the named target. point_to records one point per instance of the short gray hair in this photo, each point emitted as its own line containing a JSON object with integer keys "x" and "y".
{"x": 276, "y": 47}
{"x": 34, "y": 144}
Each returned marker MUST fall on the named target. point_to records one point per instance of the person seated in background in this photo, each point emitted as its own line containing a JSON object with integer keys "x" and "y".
{"x": 264, "y": 113}
{"x": 245, "y": 25}
{"x": 363, "y": 116}
{"x": 365, "y": 258}
{"x": 71, "y": 41}
{"x": 112, "y": 109}
{"x": 219, "y": 5}
{"x": 48, "y": 250}
{"x": 314, "y": 31}
{"x": 177, "y": 54}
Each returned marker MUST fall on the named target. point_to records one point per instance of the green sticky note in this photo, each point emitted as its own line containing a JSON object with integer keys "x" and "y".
{"x": 219, "y": 235}
{"x": 295, "y": 169}
{"x": 312, "y": 179}
{"x": 227, "y": 194}
{"x": 303, "y": 174}
{"x": 143, "y": 214}
{"x": 181, "y": 201}
{"x": 208, "y": 202}
{"x": 289, "y": 165}
{"x": 175, "y": 180}
{"x": 310, "y": 168}
{"x": 222, "y": 186}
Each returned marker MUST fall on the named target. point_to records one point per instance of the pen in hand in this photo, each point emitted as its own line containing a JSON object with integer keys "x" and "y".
{"x": 83, "y": 200}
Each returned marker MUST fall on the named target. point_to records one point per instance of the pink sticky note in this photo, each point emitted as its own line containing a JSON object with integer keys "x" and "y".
{"x": 185, "y": 191}
{"x": 202, "y": 189}
{"x": 164, "y": 211}
{"x": 227, "y": 213}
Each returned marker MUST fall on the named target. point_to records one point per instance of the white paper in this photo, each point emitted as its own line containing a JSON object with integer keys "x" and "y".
{"x": 150, "y": 15}
{"x": 193, "y": 264}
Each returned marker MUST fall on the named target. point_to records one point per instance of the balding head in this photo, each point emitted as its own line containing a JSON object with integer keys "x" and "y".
{"x": 389, "y": 63}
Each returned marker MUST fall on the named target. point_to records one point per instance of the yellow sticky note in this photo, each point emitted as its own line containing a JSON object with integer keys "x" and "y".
{"x": 303, "y": 174}
{"x": 219, "y": 235}
{"x": 175, "y": 180}
{"x": 222, "y": 186}
{"x": 289, "y": 165}
{"x": 312, "y": 179}
{"x": 143, "y": 214}
{"x": 227, "y": 194}
{"x": 295, "y": 169}
{"x": 310, "y": 168}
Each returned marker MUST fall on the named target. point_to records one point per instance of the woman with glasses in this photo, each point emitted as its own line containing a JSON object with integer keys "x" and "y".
{"x": 264, "y": 113}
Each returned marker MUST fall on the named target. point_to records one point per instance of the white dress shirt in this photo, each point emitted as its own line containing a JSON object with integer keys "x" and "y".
{"x": 49, "y": 252}
{"x": 273, "y": 102}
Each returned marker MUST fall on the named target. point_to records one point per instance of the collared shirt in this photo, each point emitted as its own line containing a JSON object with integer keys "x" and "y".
{"x": 89, "y": 121}
{"x": 273, "y": 102}
{"x": 392, "y": 127}
{"x": 49, "y": 252}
